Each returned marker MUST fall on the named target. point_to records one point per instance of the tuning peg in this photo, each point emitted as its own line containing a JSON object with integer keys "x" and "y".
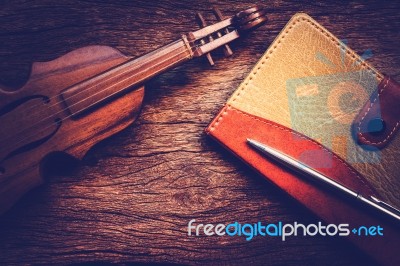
{"x": 202, "y": 22}
{"x": 220, "y": 17}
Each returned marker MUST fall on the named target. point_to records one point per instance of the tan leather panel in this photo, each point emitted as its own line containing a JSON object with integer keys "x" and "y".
{"x": 312, "y": 83}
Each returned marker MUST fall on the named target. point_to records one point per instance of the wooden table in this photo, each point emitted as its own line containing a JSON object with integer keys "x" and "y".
{"x": 131, "y": 198}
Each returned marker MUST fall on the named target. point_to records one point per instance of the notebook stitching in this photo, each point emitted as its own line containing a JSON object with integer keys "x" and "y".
{"x": 366, "y": 112}
{"x": 307, "y": 139}
{"x": 350, "y": 54}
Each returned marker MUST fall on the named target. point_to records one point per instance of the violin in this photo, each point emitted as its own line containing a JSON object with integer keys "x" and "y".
{"x": 73, "y": 102}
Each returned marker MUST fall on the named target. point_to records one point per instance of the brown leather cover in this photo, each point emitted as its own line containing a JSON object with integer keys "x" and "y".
{"x": 296, "y": 99}
{"x": 382, "y": 108}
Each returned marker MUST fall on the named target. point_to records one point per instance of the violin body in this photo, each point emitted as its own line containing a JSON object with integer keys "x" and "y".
{"x": 26, "y": 139}
{"x": 71, "y": 103}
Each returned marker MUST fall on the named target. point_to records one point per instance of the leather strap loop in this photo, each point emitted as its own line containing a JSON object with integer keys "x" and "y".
{"x": 379, "y": 119}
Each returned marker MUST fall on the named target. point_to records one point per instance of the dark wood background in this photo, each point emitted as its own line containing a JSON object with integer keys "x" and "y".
{"x": 131, "y": 198}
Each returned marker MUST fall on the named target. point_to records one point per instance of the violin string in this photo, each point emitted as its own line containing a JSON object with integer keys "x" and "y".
{"x": 102, "y": 81}
{"x": 68, "y": 116}
{"x": 79, "y": 92}
{"x": 88, "y": 88}
{"x": 85, "y": 89}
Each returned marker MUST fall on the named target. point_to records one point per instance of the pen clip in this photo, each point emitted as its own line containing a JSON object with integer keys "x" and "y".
{"x": 385, "y": 205}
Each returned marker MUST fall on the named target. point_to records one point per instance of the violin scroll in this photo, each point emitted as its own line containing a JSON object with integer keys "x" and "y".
{"x": 250, "y": 18}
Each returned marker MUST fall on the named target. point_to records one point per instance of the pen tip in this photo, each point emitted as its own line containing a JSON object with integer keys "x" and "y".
{"x": 253, "y": 143}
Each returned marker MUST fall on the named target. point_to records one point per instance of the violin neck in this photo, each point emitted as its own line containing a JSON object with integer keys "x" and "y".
{"x": 123, "y": 78}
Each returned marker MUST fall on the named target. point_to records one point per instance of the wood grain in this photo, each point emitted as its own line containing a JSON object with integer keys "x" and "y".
{"x": 131, "y": 198}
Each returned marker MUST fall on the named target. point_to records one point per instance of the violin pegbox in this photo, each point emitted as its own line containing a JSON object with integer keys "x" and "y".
{"x": 202, "y": 23}
{"x": 211, "y": 37}
{"x": 227, "y": 50}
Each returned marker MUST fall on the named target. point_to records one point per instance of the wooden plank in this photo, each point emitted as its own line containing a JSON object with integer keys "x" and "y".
{"x": 133, "y": 195}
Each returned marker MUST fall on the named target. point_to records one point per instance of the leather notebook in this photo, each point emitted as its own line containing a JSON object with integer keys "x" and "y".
{"x": 313, "y": 98}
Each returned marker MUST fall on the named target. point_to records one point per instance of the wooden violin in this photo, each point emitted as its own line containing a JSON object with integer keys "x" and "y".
{"x": 71, "y": 103}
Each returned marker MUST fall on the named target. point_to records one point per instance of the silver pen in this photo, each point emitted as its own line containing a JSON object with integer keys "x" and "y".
{"x": 372, "y": 201}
